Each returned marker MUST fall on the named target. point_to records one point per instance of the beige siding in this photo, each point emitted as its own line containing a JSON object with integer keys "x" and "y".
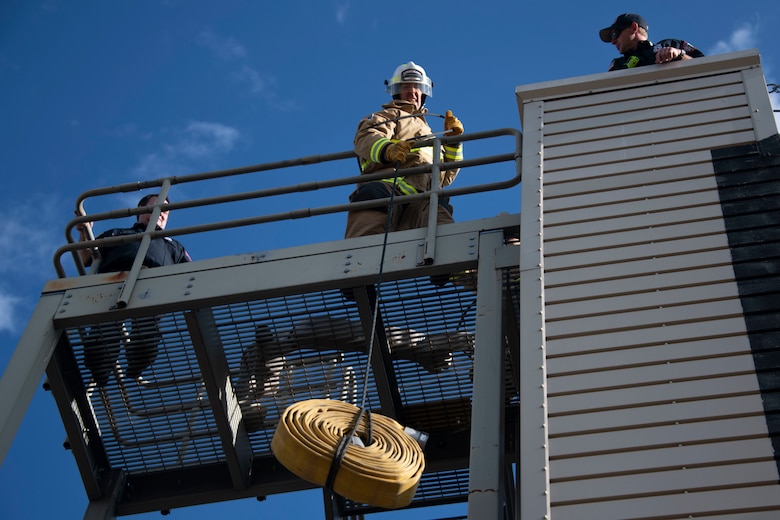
{"x": 653, "y": 402}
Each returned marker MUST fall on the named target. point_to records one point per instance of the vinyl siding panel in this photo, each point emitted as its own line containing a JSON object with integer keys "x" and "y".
{"x": 735, "y": 502}
{"x": 681, "y": 383}
{"x": 629, "y": 442}
{"x": 672, "y": 457}
{"x": 605, "y": 359}
{"x": 644, "y": 247}
{"x": 654, "y": 405}
{"x": 650, "y": 336}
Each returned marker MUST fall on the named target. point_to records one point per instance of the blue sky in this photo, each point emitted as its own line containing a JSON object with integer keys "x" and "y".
{"x": 98, "y": 93}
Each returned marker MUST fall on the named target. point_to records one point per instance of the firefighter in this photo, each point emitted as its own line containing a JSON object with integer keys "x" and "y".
{"x": 103, "y": 342}
{"x": 628, "y": 34}
{"x": 385, "y": 141}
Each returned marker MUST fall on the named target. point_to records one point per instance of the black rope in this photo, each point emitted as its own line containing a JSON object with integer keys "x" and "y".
{"x": 346, "y": 439}
{"x": 341, "y": 449}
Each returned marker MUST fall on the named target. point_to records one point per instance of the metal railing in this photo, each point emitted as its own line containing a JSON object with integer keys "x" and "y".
{"x": 165, "y": 183}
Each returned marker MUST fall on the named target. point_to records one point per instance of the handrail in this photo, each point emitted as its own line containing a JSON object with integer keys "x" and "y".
{"x": 74, "y": 246}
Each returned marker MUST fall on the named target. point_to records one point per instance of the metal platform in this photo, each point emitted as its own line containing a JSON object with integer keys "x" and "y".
{"x": 170, "y": 381}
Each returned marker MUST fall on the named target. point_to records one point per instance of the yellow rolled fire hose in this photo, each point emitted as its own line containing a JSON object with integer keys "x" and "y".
{"x": 384, "y": 473}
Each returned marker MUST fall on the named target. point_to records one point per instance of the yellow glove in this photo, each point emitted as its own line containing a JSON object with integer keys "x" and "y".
{"x": 397, "y": 152}
{"x": 452, "y": 124}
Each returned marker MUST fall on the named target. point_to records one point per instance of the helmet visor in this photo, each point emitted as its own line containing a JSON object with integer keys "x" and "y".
{"x": 425, "y": 88}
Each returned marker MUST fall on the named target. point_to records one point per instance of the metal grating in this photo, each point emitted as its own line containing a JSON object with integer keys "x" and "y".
{"x": 444, "y": 487}
{"x": 160, "y": 419}
{"x": 152, "y": 407}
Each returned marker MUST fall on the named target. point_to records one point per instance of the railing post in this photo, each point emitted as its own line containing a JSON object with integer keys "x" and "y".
{"x": 132, "y": 276}
{"x": 429, "y": 251}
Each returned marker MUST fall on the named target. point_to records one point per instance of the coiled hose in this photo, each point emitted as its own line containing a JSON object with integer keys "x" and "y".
{"x": 382, "y": 468}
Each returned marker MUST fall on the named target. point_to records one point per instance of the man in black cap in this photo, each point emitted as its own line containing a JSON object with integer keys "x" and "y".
{"x": 629, "y": 36}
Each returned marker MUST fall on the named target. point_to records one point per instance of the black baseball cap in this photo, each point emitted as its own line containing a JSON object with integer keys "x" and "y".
{"x": 622, "y": 21}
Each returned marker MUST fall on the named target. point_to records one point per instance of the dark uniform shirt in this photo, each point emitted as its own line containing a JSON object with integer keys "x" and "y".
{"x": 162, "y": 251}
{"x": 644, "y": 54}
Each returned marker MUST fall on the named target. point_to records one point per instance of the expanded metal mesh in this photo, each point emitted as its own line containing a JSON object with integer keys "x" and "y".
{"x": 145, "y": 387}
{"x": 160, "y": 418}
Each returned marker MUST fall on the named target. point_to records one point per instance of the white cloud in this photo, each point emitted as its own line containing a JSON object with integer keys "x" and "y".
{"x": 8, "y": 313}
{"x": 200, "y": 141}
{"x": 225, "y": 48}
{"x": 341, "y": 12}
{"x": 746, "y": 36}
{"x": 32, "y": 231}
{"x": 30, "y": 234}
{"x": 257, "y": 83}
{"x": 263, "y": 86}
{"x": 743, "y": 37}
{"x": 223, "y": 137}
{"x": 154, "y": 165}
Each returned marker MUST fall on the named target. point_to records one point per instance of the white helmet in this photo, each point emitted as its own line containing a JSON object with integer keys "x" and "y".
{"x": 409, "y": 73}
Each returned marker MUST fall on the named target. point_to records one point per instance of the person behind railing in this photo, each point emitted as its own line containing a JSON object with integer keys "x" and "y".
{"x": 103, "y": 342}
{"x": 629, "y": 34}
{"x": 162, "y": 251}
{"x": 385, "y": 141}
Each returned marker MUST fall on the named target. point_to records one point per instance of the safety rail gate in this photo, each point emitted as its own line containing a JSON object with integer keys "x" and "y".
{"x": 236, "y": 339}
